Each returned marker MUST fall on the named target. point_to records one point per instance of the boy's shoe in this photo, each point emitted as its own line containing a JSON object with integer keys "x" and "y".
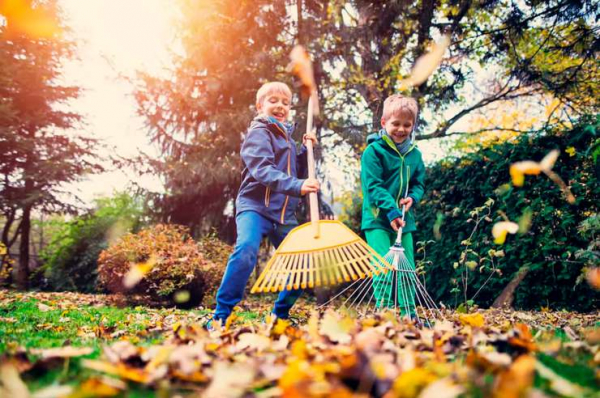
{"x": 211, "y": 325}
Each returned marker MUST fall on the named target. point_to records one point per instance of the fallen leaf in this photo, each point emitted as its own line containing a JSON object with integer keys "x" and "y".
{"x": 54, "y": 392}
{"x": 11, "y": 384}
{"x": 62, "y": 352}
{"x": 476, "y": 320}
{"x": 253, "y": 341}
{"x": 514, "y": 382}
{"x": 337, "y": 329}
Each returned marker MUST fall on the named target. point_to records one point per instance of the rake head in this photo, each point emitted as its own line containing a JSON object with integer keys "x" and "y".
{"x": 336, "y": 256}
{"x": 399, "y": 290}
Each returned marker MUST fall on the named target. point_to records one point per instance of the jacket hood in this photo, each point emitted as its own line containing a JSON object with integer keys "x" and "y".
{"x": 375, "y": 136}
{"x": 272, "y": 124}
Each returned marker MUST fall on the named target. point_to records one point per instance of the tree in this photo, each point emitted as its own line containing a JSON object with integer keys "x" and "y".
{"x": 198, "y": 115}
{"x": 531, "y": 48}
{"x": 40, "y": 151}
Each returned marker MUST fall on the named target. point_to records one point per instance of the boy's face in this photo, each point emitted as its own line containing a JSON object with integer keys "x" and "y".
{"x": 276, "y": 105}
{"x": 398, "y": 126}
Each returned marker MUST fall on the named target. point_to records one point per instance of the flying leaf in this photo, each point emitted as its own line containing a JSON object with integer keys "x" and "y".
{"x": 518, "y": 171}
{"x": 548, "y": 161}
{"x": 501, "y": 229}
{"x": 426, "y": 64}
{"x": 301, "y": 67}
{"x": 137, "y": 272}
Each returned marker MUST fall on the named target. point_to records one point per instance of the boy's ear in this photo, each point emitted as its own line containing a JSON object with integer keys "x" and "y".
{"x": 259, "y": 107}
{"x": 383, "y": 122}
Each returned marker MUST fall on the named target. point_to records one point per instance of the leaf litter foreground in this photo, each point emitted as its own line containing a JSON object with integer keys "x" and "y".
{"x": 483, "y": 353}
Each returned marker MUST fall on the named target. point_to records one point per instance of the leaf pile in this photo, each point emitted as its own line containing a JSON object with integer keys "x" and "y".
{"x": 490, "y": 353}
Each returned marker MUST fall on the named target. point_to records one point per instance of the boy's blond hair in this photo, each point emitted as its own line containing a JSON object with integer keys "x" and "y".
{"x": 270, "y": 88}
{"x": 397, "y": 104}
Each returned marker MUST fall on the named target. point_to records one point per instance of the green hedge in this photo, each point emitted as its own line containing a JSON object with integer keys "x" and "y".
{"x": 71, "y": 257}
{"x": 454, "y": 188}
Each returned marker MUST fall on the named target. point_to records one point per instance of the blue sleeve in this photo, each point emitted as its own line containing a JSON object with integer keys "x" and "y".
{"x": 257, "y": 155}
{"x": 302, "y": 162}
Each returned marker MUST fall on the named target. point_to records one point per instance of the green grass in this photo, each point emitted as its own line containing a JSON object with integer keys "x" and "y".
{"x": 92, "y": 326}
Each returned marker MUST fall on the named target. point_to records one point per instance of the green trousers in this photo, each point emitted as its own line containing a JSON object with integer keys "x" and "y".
{"x": 403, "y": 296}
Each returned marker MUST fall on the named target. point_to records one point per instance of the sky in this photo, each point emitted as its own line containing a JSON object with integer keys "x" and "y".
{"x": 116, "y": 38}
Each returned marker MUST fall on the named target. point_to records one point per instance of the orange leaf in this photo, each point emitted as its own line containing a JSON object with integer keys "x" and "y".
{"x": 593, "y": 277}
{"x": 514, "y": 382}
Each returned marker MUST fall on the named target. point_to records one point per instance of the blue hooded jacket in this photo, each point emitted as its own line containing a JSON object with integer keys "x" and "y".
{"x": 271, "y": 166}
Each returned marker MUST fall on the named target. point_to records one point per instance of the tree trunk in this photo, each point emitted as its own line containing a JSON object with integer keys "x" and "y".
{"x": 506, "y": 298}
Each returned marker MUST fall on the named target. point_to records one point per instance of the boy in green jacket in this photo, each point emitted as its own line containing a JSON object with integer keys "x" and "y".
{"x": 388, "y": 164}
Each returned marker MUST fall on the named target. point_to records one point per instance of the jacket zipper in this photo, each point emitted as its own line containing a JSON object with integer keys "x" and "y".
{"x": 393, "y": 146}
{"x": 267, "y": 196}
{"x": 289, "y": 172}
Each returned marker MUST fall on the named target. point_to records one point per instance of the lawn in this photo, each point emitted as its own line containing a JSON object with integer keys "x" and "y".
{"x": 76, "y": 345}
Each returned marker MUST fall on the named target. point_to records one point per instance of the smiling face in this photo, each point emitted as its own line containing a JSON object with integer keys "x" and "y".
{"x": 399, "y": 126}
{"x": 275, "y": 104}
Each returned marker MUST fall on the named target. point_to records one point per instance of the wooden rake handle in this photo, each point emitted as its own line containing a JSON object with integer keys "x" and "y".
{"x": 313, "y": 200}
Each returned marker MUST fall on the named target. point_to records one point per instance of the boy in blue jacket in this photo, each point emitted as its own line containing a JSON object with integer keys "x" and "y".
{"x": 268, "y": 196}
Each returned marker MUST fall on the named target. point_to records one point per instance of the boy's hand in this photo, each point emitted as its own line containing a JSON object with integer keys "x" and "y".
{"x": 408, "y": 201}
{"x": 311, "y": 137}
{"x": 309, "y": 185}
{"x": 397, "y": 223}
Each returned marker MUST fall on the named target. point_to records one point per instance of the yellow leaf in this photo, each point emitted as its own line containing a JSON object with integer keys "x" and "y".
{"x": 410, "y": 384}
{"x": 571, "y": 151}
{"x": 500, "y": 229}
{"x": 476, "y": 320}
{"x": 518, "y": 171}
{"x": 120, "y": 370}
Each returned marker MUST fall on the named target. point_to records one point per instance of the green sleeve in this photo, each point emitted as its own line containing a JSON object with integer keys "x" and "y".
{"x": 417, "y": 183}
{"x": 372, "y": 182}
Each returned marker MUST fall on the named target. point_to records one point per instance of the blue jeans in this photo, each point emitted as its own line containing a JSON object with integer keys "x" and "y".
{"x": 251, "y": 228}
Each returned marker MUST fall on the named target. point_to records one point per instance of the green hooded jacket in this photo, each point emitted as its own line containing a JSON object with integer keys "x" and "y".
{"x": 384, "y": 177}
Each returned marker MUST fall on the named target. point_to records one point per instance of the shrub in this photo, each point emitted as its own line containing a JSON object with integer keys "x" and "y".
{"x": 175, "y": 262}
{"x": 70, "y": 259}
{"x": 547, "y": 249}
